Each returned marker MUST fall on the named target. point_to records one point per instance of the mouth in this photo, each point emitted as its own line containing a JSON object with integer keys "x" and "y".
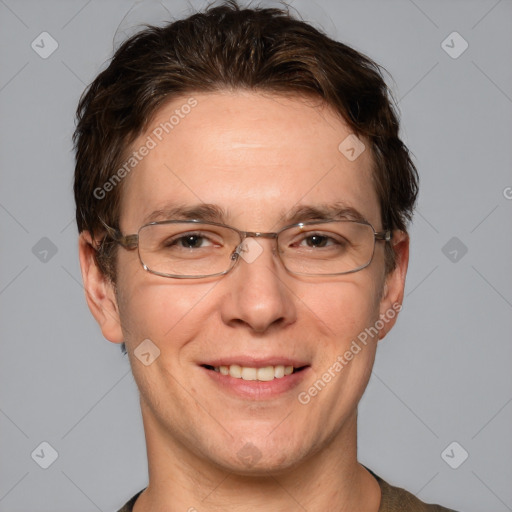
{"x": 262, "y": 374}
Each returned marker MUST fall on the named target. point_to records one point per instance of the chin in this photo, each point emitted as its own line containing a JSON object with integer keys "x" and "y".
{"x": 259, "y": 458}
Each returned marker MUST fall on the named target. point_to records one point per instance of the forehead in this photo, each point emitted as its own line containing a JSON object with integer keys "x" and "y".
{"x": 256, "y": 156}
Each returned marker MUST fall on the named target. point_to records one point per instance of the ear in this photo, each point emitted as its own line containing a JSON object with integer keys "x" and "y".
{"x": 393, "y": 292}
{"x": 99, "y": 291}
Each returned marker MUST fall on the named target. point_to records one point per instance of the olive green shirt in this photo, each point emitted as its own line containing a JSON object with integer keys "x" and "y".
{"x": 393, "y": 499}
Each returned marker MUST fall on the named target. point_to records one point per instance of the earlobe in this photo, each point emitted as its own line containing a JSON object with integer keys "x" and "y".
{"x": 99, "y": 291}
{"x": 393, "y": 290}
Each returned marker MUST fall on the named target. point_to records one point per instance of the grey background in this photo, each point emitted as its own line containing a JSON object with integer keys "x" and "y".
{"x": 442, "y": 375}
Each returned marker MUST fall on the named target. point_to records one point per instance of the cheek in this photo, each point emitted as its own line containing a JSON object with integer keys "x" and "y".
{"x": 155, "y": 308}
{"x": 343, "y": 308}
{"x": 345, "y": 312}
{"x": 344, "y": 352}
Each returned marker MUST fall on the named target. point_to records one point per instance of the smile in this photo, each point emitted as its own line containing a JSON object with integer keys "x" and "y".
{"x": 264, "y": 374}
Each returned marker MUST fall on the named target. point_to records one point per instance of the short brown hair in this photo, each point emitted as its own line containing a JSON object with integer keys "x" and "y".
{"x": 228, "y": 47}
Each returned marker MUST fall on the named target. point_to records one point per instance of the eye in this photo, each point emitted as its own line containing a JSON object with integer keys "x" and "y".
{"x": 188, "y": 241}
{"x": 191, "y": 241}
{"x": 317, "y": 240}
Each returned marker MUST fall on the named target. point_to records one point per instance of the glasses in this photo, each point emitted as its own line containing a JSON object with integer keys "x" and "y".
{"x": 192, "y": 249}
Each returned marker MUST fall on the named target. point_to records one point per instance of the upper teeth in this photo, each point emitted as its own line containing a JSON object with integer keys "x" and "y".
{"x": 248, "y": 373}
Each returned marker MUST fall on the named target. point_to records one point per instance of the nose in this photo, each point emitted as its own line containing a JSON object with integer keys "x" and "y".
{"x": 259, "y": 294}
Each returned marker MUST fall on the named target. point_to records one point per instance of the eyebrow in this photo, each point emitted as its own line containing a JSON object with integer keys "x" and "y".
{"x": 201, "y": 211}
{"x": 214, "y": 213}
{"x": 335, "y": 211}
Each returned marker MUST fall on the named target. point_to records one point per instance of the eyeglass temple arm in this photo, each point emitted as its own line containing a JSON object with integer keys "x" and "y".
{"x": 129, "y": 241}
{"x": 384, "y": 235}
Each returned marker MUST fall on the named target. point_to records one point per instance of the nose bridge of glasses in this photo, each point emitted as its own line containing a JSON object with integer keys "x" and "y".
{"x": 258, "y": 234}
{"x": 244, "y": 247}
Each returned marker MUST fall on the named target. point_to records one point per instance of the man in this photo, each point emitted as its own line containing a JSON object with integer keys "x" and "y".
{"x": 242, "y": 201}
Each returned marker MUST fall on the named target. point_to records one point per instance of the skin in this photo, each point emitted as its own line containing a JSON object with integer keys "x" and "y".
{"x": 257, "y": 156}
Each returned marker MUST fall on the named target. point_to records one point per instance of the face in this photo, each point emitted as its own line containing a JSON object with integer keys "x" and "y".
{"x": 257, "y": 158}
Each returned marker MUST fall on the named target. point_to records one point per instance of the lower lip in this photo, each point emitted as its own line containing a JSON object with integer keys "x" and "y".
{"x": 256, "y": 389}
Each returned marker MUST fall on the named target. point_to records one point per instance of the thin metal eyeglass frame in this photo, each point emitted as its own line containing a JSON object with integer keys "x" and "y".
{"x": 131, "y": 242}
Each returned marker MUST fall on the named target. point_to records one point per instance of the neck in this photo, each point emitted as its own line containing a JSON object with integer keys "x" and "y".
{"x": 330, "y": 479}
